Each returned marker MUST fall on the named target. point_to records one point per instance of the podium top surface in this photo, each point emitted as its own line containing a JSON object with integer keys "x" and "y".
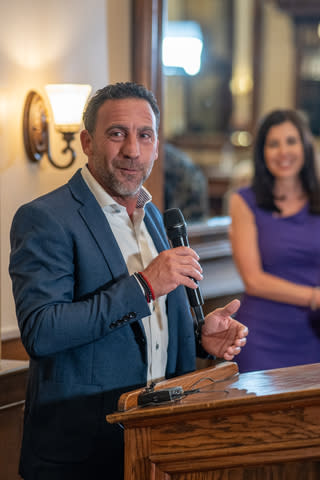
{"x": 246, "y": 389}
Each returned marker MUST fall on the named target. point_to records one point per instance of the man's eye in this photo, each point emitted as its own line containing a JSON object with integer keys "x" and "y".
{"x": 116, "y": 134}
{"x": 146, "y": 135}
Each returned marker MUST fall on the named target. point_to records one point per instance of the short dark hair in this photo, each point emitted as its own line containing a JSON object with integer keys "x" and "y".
{"x": 117, "y": 91}
{"x": 263, "y": 180}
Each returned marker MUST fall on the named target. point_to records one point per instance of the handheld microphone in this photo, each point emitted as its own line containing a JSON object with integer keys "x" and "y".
{"x": 176, "y": 228}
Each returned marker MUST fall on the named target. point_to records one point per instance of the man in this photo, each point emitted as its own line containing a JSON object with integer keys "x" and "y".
{"x": 94, "y": 326}
{"x": 185, "y": 185}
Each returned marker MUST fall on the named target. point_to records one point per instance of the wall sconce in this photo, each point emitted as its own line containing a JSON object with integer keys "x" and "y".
{"x": 67, "y": 103}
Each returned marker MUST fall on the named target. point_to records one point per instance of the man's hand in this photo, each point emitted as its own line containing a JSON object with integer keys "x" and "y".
{"x": 171, "y": 268}
{"x": 222, "y": 335}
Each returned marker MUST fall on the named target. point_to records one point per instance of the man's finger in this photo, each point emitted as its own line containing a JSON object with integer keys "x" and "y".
{"x": 244, "y": 332}
{"x": 230, "y": 308}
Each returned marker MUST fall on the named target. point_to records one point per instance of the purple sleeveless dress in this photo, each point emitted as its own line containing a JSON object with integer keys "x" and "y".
{"x": 282, "y": 335}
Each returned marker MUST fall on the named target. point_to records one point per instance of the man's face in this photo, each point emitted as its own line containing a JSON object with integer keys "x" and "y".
{"x": 122, "y": 149}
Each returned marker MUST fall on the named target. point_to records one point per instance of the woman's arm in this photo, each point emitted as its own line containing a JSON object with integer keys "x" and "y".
{"x": 244, "y": 242}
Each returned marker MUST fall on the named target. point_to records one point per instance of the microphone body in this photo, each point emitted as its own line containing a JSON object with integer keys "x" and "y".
{"x": 177, "y": 233}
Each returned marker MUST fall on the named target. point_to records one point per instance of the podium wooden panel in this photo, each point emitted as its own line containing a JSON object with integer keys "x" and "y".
{"x": 258, "y": 425}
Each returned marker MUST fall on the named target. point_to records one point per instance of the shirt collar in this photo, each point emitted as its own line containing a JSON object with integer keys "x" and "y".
{"x": 104, "y": 199}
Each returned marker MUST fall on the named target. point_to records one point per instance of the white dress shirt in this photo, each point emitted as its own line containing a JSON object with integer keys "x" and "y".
{"x": 138, "y": 250}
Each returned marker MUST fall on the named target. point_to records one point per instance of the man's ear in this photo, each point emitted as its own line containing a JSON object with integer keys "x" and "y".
{"x": 86, "y": 142}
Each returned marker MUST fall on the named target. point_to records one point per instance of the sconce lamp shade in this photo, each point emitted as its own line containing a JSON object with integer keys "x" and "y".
{"x": 67, "y": 104}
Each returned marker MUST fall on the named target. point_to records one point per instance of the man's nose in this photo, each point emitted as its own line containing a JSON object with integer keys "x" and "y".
{"x": 131, "y": 147}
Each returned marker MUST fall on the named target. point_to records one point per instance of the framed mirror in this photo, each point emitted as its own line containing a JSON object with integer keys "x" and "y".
{"x": 256, "y": 56}
{"x": 207, "y": 117}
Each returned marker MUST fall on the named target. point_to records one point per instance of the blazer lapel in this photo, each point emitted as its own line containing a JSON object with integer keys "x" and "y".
{"x": 157, "y": 235}
{"x": 98, "y": 225}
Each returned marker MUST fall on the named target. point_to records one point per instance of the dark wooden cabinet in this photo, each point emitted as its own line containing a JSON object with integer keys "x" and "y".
{"x": 13, "y": 381}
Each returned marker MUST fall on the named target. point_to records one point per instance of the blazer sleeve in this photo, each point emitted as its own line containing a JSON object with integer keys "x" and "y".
{"x": 42, "y": 268}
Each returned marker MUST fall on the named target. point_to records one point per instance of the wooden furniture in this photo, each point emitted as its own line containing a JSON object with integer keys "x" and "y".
{"x": 13, "y": 381}
{"x": 146, "y": 68}
{"x": 12, "y": 349}
{"x": 253, "y": 426}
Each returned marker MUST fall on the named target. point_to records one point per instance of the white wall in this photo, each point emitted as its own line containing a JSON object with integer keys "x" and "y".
{"x": 56, "y": 41}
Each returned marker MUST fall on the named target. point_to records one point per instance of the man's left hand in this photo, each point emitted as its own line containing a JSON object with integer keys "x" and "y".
{"x": 222, "y": 335}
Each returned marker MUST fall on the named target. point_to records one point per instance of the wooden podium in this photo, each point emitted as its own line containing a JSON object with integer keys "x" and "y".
{"x": 254, "y": 426}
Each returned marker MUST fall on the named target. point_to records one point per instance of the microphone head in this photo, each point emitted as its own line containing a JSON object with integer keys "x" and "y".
{"x": 177, "y": 233}
{"x": 175, "y": 223}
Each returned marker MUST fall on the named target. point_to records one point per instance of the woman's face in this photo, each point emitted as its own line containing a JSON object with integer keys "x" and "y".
{"x": 283, "y": 151}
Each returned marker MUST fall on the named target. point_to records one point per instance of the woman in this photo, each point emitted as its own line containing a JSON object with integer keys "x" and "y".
{"x": 275, "y": 237}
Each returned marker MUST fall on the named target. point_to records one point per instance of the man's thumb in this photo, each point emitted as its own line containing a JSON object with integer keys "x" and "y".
{"x": 231, "y": 307}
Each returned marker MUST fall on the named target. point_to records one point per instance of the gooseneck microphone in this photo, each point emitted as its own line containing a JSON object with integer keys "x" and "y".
{"x": 176, "y": 228}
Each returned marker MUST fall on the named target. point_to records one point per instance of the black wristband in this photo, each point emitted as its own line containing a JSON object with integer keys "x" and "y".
{"x": 145, "y": 286}
{"x": 200, "y": 351}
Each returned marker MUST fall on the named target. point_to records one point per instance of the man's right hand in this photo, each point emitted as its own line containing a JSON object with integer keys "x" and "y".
{"x": 171, "y": 268}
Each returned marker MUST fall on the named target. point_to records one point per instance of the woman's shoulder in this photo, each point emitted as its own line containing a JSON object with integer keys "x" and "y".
{"x": 248, "y": 195}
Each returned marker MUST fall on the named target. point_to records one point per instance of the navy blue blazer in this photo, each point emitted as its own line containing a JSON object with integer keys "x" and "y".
{"x": 79, "y": 313}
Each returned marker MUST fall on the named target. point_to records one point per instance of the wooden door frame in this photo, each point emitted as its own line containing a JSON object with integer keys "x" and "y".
{"x": 146, "y": 67}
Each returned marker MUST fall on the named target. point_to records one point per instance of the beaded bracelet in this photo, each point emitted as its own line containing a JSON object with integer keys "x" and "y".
{"x": 313, "y": 301}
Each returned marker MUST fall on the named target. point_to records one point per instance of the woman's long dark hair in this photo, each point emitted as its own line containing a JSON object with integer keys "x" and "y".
{"x": 263, "y": 180}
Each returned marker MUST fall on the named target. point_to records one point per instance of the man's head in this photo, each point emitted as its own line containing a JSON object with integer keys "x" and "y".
{"x": 117, "y": 91}
{"x": 120, "y": 139}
